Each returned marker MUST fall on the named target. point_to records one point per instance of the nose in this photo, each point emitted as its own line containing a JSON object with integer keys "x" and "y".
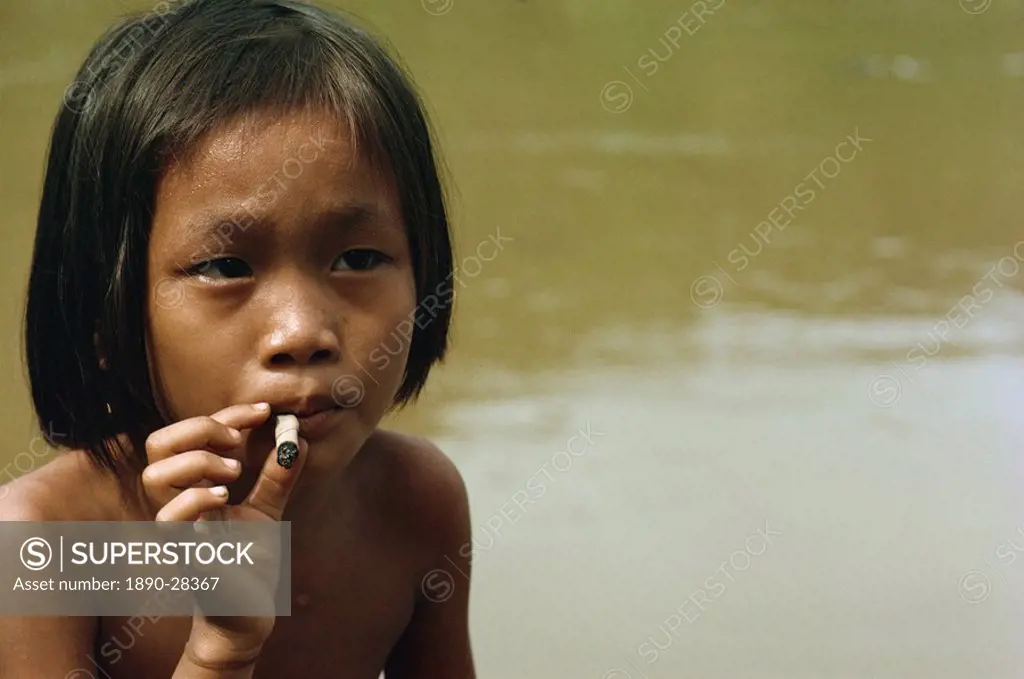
{"x": 302, "y": 334}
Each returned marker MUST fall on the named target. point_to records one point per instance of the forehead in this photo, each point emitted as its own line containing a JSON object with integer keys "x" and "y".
{"x": 266, "y": 136}
{"x": 270, "y": 162}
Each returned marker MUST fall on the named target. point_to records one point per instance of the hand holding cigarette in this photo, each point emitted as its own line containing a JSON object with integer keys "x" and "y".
{"x": 187, "y": 461}
{"x": 187, "y": 455}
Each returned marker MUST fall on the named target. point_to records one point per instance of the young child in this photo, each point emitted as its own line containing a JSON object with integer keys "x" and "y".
{"x": 241, "y": 217}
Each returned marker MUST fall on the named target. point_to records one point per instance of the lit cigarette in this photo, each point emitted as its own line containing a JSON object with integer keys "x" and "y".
{"x": 286, "y": 436}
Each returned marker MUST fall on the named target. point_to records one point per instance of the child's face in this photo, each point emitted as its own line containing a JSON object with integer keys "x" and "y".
{"x": 279, "y": 269}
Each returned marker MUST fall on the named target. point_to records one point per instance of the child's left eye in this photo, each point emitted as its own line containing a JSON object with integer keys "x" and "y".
{"x": 359, "y": 260}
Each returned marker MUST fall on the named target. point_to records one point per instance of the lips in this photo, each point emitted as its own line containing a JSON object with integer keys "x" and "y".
{"x": 318, "y": 424}
{"x": 304, "y": 407}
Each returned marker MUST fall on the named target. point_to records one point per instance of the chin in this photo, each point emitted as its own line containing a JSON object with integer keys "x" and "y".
{"x": 337, "y": 450}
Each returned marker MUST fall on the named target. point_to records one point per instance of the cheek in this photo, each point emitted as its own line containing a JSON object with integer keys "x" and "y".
{"x": 181, "y": 356}
{"x": 380, "y": 342}
{"x": 171, "y": 339}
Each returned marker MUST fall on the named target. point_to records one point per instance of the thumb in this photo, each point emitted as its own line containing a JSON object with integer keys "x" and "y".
{"x": 275, "y": 484}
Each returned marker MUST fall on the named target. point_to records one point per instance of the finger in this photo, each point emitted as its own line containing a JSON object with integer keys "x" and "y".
{"x": 220, "y": 431}
{"x": 192, "y": 502}
{"x": 164, "y": 480}
{"x": 275, "y": 484}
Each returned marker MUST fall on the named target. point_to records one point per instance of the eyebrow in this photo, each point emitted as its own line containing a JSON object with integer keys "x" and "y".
{"x": 219, "y": 224}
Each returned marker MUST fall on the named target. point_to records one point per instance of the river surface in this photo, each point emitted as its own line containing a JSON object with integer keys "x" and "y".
{"x": 766, "y": 260}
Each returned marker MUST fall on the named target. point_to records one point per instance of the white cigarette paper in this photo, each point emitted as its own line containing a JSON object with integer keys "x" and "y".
{"x": 286, "y": 429}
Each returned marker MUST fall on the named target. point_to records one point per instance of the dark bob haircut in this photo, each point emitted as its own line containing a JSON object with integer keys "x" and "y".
{"x": 151, "y": 87}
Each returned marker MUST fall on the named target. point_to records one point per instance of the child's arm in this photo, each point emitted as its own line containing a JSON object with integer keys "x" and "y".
{"x": 41, "y": 647}
{"x": 32, "y": 648}
{"x": 436, "y": 645}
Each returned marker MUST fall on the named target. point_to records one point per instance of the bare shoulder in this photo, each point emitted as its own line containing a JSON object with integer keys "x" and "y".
{"x": 66, "y": 488}
{"x": 417, "y": 485}
{"x": 426, "y": 494}
{"x": 59, "y": 490}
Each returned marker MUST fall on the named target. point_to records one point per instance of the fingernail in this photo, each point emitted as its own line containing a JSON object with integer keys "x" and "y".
{"x": 219, "y": 491}
{"x": 236, "y": 435}
{"x": 262, "y": 406}
{"x": 232, "y": 464}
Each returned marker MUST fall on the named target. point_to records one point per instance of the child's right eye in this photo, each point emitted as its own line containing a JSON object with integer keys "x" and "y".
{"x": 225, "y": 267}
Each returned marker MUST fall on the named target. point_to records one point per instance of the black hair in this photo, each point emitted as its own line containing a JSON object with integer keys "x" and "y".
{"x": 151, "y": 87}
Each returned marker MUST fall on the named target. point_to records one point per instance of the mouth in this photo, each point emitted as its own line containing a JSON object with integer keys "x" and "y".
{"x": 304, "y": 407}
{"x": 312, "y": 425}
